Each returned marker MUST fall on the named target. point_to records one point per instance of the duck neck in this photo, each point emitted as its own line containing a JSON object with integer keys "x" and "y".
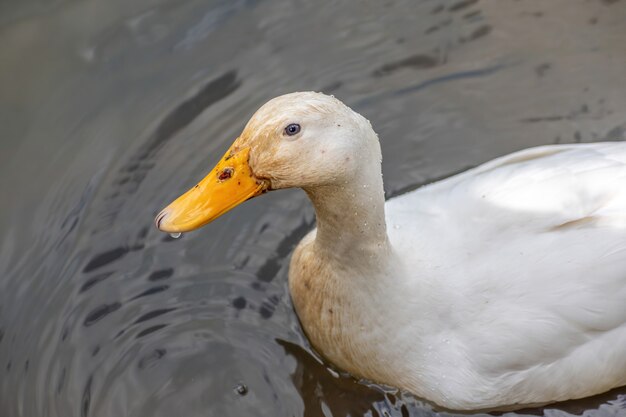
{"x": 351, "y": 217}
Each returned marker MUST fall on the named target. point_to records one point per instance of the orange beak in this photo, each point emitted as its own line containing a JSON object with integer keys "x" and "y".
{"x": 230, "y": 183}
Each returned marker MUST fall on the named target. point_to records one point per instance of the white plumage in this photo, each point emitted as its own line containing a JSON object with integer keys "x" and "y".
{"x": 503, "y": 286}
{"x": 525, "y": 263}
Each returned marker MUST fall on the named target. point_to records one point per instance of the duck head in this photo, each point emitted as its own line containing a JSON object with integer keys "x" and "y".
{"x": 305, "y": 140}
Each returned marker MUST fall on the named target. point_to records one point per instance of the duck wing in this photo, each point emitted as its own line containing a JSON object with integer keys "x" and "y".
{"x": 526, "y": 259}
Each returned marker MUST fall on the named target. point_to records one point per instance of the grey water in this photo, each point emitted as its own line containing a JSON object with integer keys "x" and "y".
{"x": 110, "y": 108}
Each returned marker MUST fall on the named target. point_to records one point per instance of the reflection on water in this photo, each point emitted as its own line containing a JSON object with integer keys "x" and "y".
{"x": 110, "y": 109}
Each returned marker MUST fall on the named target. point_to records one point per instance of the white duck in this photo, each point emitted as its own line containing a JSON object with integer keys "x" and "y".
{"x": 502, "y": 286}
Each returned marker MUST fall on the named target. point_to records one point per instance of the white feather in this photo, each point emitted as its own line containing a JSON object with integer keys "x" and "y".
{"x": 528, "y": 255}
{"x": 501, "y": 286}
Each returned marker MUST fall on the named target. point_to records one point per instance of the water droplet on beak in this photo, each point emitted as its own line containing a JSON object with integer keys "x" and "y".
{"x": 176, "y": 235}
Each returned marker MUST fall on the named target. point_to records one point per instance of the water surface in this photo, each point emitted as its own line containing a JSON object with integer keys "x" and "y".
{"x": 109, "y": 109}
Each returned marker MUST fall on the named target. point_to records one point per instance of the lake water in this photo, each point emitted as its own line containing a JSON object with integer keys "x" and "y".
{"x": 109, "y": 109}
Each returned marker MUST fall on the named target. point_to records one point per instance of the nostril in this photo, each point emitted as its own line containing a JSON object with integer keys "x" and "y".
{"x": 160, "y": 218}
{"x": 226, "y": 174}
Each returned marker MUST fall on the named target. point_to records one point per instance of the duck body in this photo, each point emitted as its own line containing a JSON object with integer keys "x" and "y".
{"x": 503, "y": 285}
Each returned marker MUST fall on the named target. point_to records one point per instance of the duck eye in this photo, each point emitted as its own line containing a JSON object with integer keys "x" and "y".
{"x": 292, "y": 129}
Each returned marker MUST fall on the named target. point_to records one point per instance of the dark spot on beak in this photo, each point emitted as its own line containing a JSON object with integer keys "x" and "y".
{"x": 226, "y": 174}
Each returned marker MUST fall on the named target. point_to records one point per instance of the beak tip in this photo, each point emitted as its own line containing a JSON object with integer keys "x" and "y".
{"x": 159, "y": 219}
